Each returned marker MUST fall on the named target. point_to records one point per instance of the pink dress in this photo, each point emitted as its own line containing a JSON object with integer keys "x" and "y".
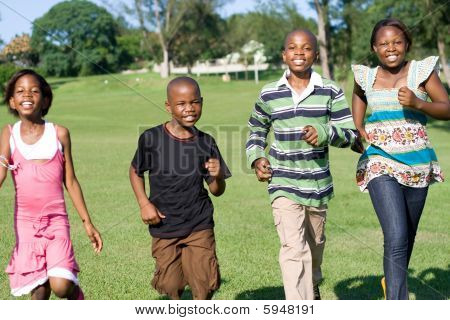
{"x": 43, "y": 247}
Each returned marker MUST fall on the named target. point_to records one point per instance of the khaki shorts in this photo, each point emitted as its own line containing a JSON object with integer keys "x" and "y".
{"x": 189, "y": 260}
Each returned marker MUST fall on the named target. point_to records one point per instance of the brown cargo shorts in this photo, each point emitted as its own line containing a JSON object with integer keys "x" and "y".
{"x": 189, "y": 260}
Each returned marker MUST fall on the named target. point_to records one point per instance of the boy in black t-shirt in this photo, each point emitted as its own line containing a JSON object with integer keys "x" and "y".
{"x": 179, "y": 212}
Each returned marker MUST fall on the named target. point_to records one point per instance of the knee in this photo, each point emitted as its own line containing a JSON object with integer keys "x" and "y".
{"x": 62, "y": 288}
{"x": 172, "y": 286}
{"x": 41, "y": 292}
{"x": 396, "y": 243}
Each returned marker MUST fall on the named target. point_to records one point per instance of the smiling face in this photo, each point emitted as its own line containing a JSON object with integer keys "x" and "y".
{"x": 184, "y": 103}
{"x": 390, "y": 46}
{"x": 27, "y": 98}
{"x": 300, "y": 51}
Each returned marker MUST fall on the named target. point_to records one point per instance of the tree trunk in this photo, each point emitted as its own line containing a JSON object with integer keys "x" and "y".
{"x": 140, "y": 15}
{"x": 165, "y": 69}
{"x": 323, "y": 52}
{"x": 441, "y": 49}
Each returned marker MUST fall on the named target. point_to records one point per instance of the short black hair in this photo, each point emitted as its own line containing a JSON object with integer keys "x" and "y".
{"x": 182, "y": 80}
{"x": 306, "y": 31}
{"x": 45, "y": 88}
{"x": 391, "y": 23}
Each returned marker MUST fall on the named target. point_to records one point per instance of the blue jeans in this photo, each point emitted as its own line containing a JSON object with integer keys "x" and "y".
{"x": 398, "y": 208}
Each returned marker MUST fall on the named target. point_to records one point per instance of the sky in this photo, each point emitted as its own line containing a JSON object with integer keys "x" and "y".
{"x": 16, "y": 15}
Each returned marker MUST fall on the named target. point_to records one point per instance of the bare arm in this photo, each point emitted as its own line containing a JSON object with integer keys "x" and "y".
{"x": 438, "y": 108}
{"x": 4, "y": 151}
{"x": 149, "y": 213}
{"x": 74, "y": 189}
{"x": 359, "y": 107}
{"x": 217, "y": 185}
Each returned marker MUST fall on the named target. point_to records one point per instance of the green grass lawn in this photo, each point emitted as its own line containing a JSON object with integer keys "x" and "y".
{"x": 105, "y": 121}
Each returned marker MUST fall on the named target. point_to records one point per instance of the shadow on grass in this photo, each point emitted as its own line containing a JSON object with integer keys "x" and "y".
{"x": 267, "y": 293}
{"x": 430, "y": 284}
{"x": 187, "y": 293}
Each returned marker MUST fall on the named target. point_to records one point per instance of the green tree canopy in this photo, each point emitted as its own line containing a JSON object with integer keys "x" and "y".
{"x": 199, "y": 35}
{"x": 76, "y": 38}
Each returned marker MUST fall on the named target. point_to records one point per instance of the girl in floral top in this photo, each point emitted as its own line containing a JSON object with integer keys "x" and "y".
{"x": 399, "y": 164}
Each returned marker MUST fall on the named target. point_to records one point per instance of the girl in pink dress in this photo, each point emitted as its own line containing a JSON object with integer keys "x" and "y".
{"x": 38, "y": 154}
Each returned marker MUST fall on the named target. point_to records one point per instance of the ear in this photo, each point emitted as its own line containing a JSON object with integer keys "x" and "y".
{"x": 12, "y": 104}
{"x": 283, "y": 55}
{"x": 374, "y": 48}
{"x": 45, "y": 106}
{"x": 168, "y": 107}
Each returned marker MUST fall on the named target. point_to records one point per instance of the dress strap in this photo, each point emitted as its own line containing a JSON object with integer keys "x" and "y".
{"x": 11, "y": 131}
{"x": 56, "y": 133}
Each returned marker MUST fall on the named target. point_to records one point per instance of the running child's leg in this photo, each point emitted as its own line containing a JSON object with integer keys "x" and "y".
{"x": 41, "y": 292}
{"x": 295, "y": 254}
{"x": 62, "y": 268}
{"x": 63, "y": 288}
{"x": 168, "y": 277}
{"x": 415, "y": 201}
{"x": 315, "y": 236}
{"x": 200, "y": 265}
{"x": 389, "y": 202}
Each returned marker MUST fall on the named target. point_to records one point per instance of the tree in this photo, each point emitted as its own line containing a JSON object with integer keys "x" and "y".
{"x": 324, "y": 36}
{"x": 200, "y": 36}
{"x": 134, "y": 51}
{"x": 19, "y": 51}
{"x": 166, "y": 18}
{"x": 268, "y": 25}
{"x": 76, "y": 38}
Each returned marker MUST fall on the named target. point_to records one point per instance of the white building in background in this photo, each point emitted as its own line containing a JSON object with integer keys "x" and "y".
{"x": 250, "y": 58}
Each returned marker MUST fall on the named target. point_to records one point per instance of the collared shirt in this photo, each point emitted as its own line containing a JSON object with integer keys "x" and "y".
{"x": 316, "y": 80}
{"x": 300, "y": 171}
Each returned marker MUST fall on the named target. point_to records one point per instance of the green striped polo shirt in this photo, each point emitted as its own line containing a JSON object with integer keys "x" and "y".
{"x": 300, "y": 171}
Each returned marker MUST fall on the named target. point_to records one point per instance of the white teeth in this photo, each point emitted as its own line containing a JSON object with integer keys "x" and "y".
{"x": 299, "y": 61}
{"x": 26, "y": 103}
{"x": 392, "y": 58}
{"x": 190, "y": 118}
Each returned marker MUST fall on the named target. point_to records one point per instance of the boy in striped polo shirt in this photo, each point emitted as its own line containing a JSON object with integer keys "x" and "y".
{"x": 307, "y": 113}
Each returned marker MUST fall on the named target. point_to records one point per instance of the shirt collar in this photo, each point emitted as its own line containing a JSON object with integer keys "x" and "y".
{"x": 316, "y": 79}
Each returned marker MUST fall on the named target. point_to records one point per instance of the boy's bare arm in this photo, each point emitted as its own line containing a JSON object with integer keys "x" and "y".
{"x": 217, "y": 185}
{"x": 149, "y": 213}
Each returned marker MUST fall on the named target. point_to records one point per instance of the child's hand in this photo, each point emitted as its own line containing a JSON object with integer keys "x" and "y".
{"x": 310, "y": 135}
{"x": 363, "y": 133}
{"x": 357, "y": 146}
{"x": 150, "y": 214}
{"x": 213, "y": 167}
{"x": 407, "y": 98}
{"x": 94, "y": 236}
{"x": 262, "y": 169}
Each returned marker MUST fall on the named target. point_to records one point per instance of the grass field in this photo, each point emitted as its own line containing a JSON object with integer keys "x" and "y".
{"x": 105, "y": 120}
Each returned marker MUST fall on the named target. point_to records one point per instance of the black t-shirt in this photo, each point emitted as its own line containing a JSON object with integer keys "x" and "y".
{"x": 176, "y": 173}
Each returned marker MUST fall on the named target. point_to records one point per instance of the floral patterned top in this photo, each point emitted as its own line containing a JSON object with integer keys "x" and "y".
{"x": 399, "y": 144}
